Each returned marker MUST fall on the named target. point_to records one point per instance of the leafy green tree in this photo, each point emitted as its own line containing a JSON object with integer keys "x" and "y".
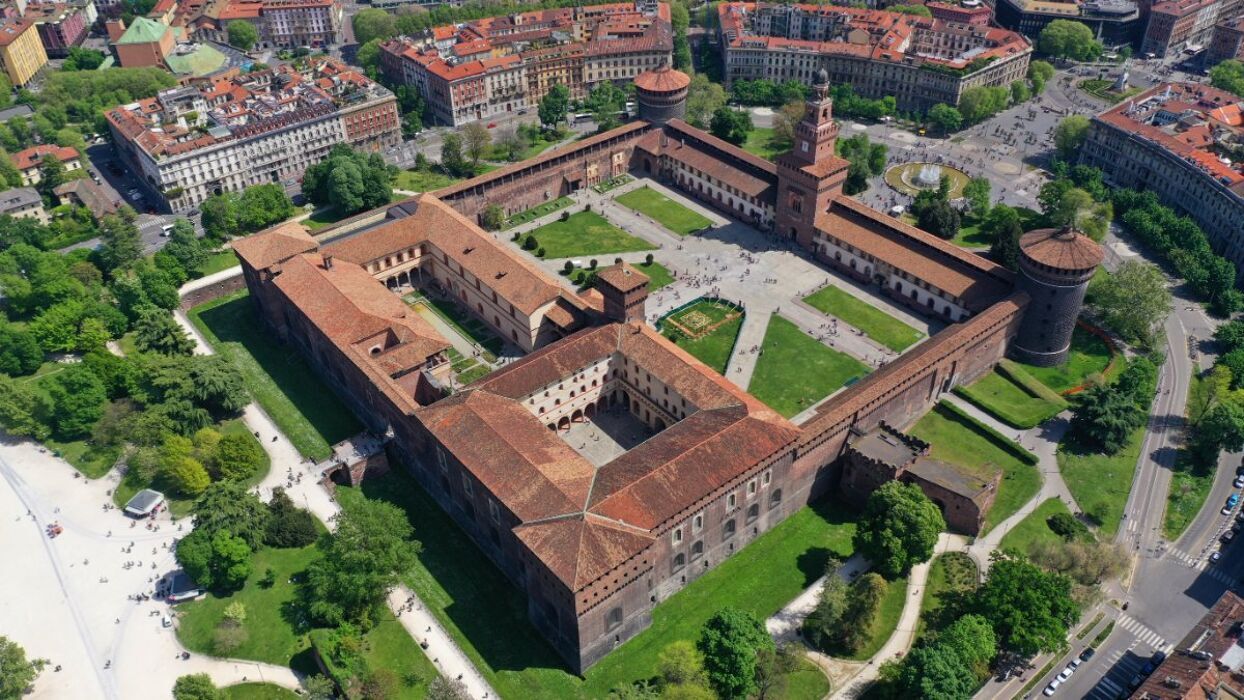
{"x": 822, "y": 626}
{"x": 349, "y": 180}
{"x": 703, "y": 98}
{"x": 1222, "y": 428}
{"x": 731, "y": 125}
{"x": 935, "y": 215}
{"x": 82, "y": 59}
{"x": 1002, "y": 223}
{"x": 1133, "y": 301}
{"x": 973, "y": 640}
{"x": 918, "y": 10}
{"x": 945, "y": 118}
{"x": 1104, "y": 417}
{"x": 16, "y": 673}
{"x": 680, "y": 663}
{"x": 288, "y": 525}
{"x": 120, "y": 243}
{"x": 863, "y": 604}
{"x": 228, "y": 506}
{"x": 936, "y": 672}
{"x": 24, "y": 412}
{"x": 1228, "y": 75}
{"x": 217, "y": 384}
{"x": 1040, "y": 73}
{"x": 1020, "y": 92}
{"x": 898, "y": 528}
{"x": 492, "y": 218}
{"x": 220, "y": 562}
{"x": 1064, "y": 38}
{"x": 261, "y": 206}
{"x": 373, "y": 545}
{"x": 320, "y": 687}
{"x": 186, "y": 475}
{"x": 452, "y": 158}
{"x": 977, "y": 193}
{"x": 1230, "y": 335}
{"x": 156, "y": 331}
{"x": 372, "y": 24}
{"x": 773, "y": 669}
{"x": 20, "y": 353}
{"x": 368, "y": 56}
{"x": 1029, "y": 608}
{"x": 242, "y": 34}
{"x": 977, "y": 104}
{"x": 78, "y": 398}
{"x": 236, "y": 457}
{"x": 476, "y": 140}
{"x": 1069, "y": 136}
{"x": 219, "y": 217}
{"x": 197, "y": 686}
{"x": 553, "y": 106}
{"x": 730, "y": 642}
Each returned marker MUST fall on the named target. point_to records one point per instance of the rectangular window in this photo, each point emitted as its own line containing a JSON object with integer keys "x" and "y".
{"x": 732, "y": 500}
{"x": 767, "y": 477}
{"x": 494, "y": 511}
{"x": 440, "y": 459}
{"x": 751, "y": 488}
{"x": 697, "y": 523}
{"x": 677, "y": 535}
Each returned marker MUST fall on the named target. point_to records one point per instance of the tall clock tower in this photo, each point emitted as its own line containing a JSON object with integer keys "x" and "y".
{"x": 811, "y": 174}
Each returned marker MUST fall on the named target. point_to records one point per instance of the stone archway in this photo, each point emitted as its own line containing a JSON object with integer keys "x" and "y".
{"x": 564, "y": 423}
{"x": 590, "y": 411}
{"x": 577, "y": 416}
{"x": 659, "y": 424}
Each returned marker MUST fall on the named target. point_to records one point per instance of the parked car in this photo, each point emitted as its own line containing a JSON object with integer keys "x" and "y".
{"x": 1232, "y": 501}
{"x": 1147, "y": 668}
{"x": 1158, "y": 657}
{"x": 1227, "y": 536}
{"x": 1052, "y": 687}
{"x": 1239, "y": 482}
{"x": 1087, "y": 653}
{"x": 1215, "y": 557}
{"x": 1064, "y": 674}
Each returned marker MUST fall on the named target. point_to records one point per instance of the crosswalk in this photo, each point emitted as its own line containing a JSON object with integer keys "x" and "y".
{"x": 1143, "y": 634}
{"x": 1120, "y": 669}
{"x": 1201, "y": 564}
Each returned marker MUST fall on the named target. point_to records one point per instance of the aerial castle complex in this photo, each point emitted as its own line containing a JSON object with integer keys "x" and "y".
{"x": 595, "y": 541}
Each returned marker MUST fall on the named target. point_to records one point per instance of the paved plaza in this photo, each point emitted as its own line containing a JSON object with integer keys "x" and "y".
{"x": 607, "y": 436}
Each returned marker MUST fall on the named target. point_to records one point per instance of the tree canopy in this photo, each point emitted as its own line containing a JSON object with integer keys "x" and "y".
{"x": 731, "y": 125}
{"x": 1064, "y": 38}
{"x": 1228, "y": 75}
{"x": 554, "y": 105}
{"x": 243, "y": 35}
{"x": 349, "y": 180}
{"x": 16, "y": 673}
{"x": 898, "y": 528}
{"x": 730, "y": 641}
{"x": 1029, "y": 608}
{"x": 1133, "y": 301}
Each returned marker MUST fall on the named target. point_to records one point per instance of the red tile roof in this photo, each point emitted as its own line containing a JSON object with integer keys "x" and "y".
{"x": 32, "y": 157}
{"x": 274, "y": 245}
{"x": 1062, "y": 248}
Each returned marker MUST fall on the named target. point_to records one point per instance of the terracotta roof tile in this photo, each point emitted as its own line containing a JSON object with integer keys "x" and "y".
{"x": 581, "y": 548}
{"x": 274, "y": 245}
{"x": 1065, "y": 249}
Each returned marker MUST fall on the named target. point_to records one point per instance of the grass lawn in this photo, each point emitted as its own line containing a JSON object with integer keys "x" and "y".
{"x": 875, "y": 323}
{"x": 304, "y": 408}
{"x": 971, "y": 236}
{"x": 537, "y": 211}
{"x": 257, "y": 691}
{"x": 488, "y": 617}
{"x": 958, "y": 442}
{"x": 1100, "y": 483}
{"x": 806, "y": 682}
{"x": 795, "y": 370}
{"x": 1103, "y": 89}
{"x": 180, "y": 507}
{"x": 1183, "y": 502}
{"x": 470, "y": 327}
{"x": 712, "y": 348}
{"x": 952, "y": 576}
{"x": 1009, "y": 402}
{"x": 658, "y": 275}
{"x": 423, "y": 180}
{"x": 760, "y": 141}
{"x": 215, "y": 262}
{"x": 666, "y": 211}
{"x": 322, "y": 218}
{"x": 1089, "y": 355}
{"x": 585, "y": 233}
{"x": 1033, "y": 530}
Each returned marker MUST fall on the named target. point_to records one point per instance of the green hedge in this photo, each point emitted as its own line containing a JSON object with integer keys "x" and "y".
{"x": 998, "y": 438}
{"x": 1013, "y": 371}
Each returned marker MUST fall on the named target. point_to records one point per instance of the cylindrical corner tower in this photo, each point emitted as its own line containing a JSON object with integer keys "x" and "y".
{"x": 662, "y": 94}
{"x": 1055, "y": 266}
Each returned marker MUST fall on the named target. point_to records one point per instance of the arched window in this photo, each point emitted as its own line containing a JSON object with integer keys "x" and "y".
{"x": 614, "y": 620}
{"x": 697, "y": 550}
{"x": 775, "y": 498}
{"x": 680, "y": 560}
{"x": 753, "y": 512}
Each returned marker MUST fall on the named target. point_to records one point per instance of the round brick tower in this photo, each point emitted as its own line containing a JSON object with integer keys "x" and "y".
{"x": 1055, "y": 266}
{"x": 662, "y": 94}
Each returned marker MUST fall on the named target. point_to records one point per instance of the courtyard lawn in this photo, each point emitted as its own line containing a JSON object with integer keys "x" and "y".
{"x": 1089, "y": 355}
{"x": 1033, "y": 530}
{"x": 423, "y": 180}
{"x": 132, "y": 484}
{"x": 1100, "y": 483}
{"x": 952, "y": 576}
{"x": 467, "y": 325}
{"x": 794, "y": 370}
{"x": 714, "y": 347}
{"x": 257, "y": 691}
{"x": 998, "y": 395}
{"x": 658, "y": 275}
{"x": 874, "y": 322}
{"x": 962, "y": 443}
{"x": 537, "y": 211}
{"x": 322, "y": 218}
{"x": 761, "y": 142}
{"x": 488, "y": 617}
{"x": 585, "y": 233}
{"x": 664, "y": 210}
{"x": 302, "y": 406}
{"x": 1185, "y": 499}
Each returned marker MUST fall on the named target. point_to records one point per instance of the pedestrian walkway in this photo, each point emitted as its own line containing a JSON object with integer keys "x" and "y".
{"x": 752, "y": 335}
{"x": 1143, "y": 634}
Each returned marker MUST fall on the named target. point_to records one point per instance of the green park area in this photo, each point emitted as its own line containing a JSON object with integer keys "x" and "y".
{"x": 302, "y": 406}
{"x": 971, "y": 236}
{"x": 795, "y": 370}
{"x": 537, "y": 211}
{"x": 217, "y": 261}
{"x": 1089, "y": 356}
{"x": 487, "y": 616}
{"x": 1104, "y": 89}
{"x": 584, "y": 233}
{"x": 1034, "y": 529}
{"x": 665, "y": 211}
{"x": 1014, "y": 397}
{"x": 92, "y": 461}
{"x": 257, "y": 691}
{"x": 952, "y": 576}
{"x": 423, "y": 180}
{"x": 276, "y": 632}
{"x": 874, "y": 322}
{"x": 1099, "y": 482}
{"x": 458, "y": 318}
{"x": 958, "y": 439}
{"x": 1187, "y": 495}
{"x": 658, "y": 275}
{"x": 762, "y": 142}
{"x": 707, "y": 329}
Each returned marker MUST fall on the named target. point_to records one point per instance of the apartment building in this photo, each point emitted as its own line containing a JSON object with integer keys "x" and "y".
{"x": 1177, "y": 25}
{"x": 21, "y": 51}
{"x": 187, "y": 144}
{"x": 281, "y": 23}
{"x": 1227, "y": 42}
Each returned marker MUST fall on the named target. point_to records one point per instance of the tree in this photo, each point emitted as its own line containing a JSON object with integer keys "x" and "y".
{"x": 1066, "y": 526}
{"x": 1069, "y": 136}
{"x": 1230, "y": 335}
{"x": 1213, "y": 389}
{"x": 1222, "y": 428}
{"x": 261, "y": 206}
{"x": 215, "y": 384}
{"x": 492, "y": 218}
{"x": 936, "y": 672}
{"x": 1020, "y": 92}
{"x": 288, "y": 525}
{"x": 936, "y": 216}
{"x": 977, "y": 193}
{"x": 219, "y": 217}
{"x": 785, "y": 121}
{"x": 1029, "y": 609}
{"x": 16, "y": 673}
{"x": 349, "y": 180}
{"x": 78, "y": 398}
{"x": 730, "y": 641}
{"x": 197, "y": 686}
{"x": 186, "y": 475}
{"x": 442, "y": 688}
{"x": 731, "y": 125}
{"x": 945, "y": 118}
{"x": 703, "y": 98}
{"x": 863, "y": 604}
{"x": 80, "y": 59}
{"x": 1104, "y": 418}
{"x": 979, "y": 103}
{"x": 1065, "y": 38}
{"x": 476, "y": 138}
{"x": 773, "y": 669}
{"x": 973, "y": 640}
{"x": 20, "y": 353}
{"x": 1040, "y": 73}
{"x": 1228, "y": 75}
{"x": 898, "y": 528}
{"x": 156, "y": 331}
{"x": 451, "y": 156}
{"x": 1003, "y": 224}
{"x": 120, "y": 243}
{"x": 242, "y": 34}
{"x": 320, "y": 687}
{"x": 553, "y": 106}
{"x": 918, "y": 10}
{"x": 679, "y": 663}
{"x": 184, "y": 247}
{"x": 24, "y": 412}
{"x": 236, "y": 457}
{"x": 373, "y": 24}
{"x": 360, "y": 563}
{"x": 1133, "y": 302}
{"x": 227, "y": 506}
{"x": 822, "y": 626}
{"x": 219, "y": 562}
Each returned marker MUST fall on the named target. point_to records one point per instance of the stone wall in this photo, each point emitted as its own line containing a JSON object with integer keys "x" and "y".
{"x": 227, "y": 286}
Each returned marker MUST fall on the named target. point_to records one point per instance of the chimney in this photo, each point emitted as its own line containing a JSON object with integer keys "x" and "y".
{"x": 328, "y": 262}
